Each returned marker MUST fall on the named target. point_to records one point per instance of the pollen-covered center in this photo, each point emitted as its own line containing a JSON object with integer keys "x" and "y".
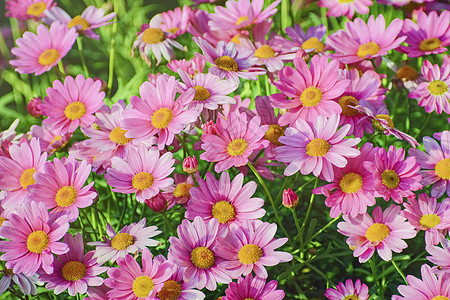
{"x": 250, "y": 254}
{"x": 370, "y": 48}
{"x": 142, "y": 286}
{"x": 430, "y": 221}
{"x": 65, "y": 196}
{"x": 78, "y": 20}
{"x": 171, "y": 290}
{"x": 122, "y": 241}
{"x": 351, "y": 183}
{"x": 73, "y": 270}
{"x": 153, "y": 36}
{"x": 237, "y": 147}
{"x": 201, "y": 93}
{"x": 345, "y": 102}
{"x": 117, "y": 135}
{"x": 311, "y": 96}
{"x": 430, "y": 44}
{"x": 75, "y": 110}
{"x": 390, "y": 179}
{"x": 274, "y": 133}
{"x": 142, "y": 181}
{"x": 223, "y": 211}
{"x": 313, "y": 43}
{"x": 437, "y": 88}
{"x": 442, "y": 168}
{"x": 27, "y": 178}
{"x": 162, "y": 117}
{"x": 376, "y": 124}
{"x": 37, "y": 241}
{"x": 265, "y": 51}
{"x": 36, "y": 9}
{"x": 48, "y": 57}
{"x": 202, "y": 258}
{"x": 182, "y": 190}
{"x": 407, "y": 73}
{"x": 350, "y": 297}
{"x": 377, "y": 232}
{"x": 227, "y": 63}
{"x": 440, "y": 298}
{"x": 317, "y": 147}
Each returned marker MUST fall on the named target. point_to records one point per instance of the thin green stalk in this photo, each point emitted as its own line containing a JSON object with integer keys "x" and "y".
{"x": 399, "y": 271}
{"x": 423, "y": 126}
{"x": 169, "y": 225}
{"x": 322, "y": 229}
{"x": 81, "y": 53}
{"x": 285, "y": 18}
{"x": 373, "y": 267}
{"x": 266, "y": 81}
{"x": 183, "y": 143}
{"x": 311, "y": 200}
{"x": 297, "y": 224}
{"x": 112, "y": 51}
{"x": 304, "y": 185}
{"x": 329, "y": 281}
{"x": 61, "y": 69}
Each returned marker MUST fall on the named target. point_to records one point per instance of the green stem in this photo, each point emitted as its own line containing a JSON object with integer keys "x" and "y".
{"x": 304, "y": 185}
{"x": 61, "y": 69}
{"x": 183, "y": 143}
{"x": 285, "y": 19}
{"x": 423, "y": 126}
{"x": 112, "y": 51}
{"x": 311, "y": 200}
{"x": 322, "y": 229}
{"x": 297, "y": 224}
{"x": 320, "y": 273}
{"x": 169, "y": 225}
{"x": 83, "y": 60}
{"x": 399, "y": 271}
{"x": 373, "y": 267}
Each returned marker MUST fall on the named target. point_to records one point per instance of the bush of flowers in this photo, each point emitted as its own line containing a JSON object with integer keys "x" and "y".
{"x": 234, "y": 150}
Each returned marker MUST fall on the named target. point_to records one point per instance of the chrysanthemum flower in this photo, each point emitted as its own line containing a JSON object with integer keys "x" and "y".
{"x": 191, "y": 67}
{"x": 182, "y": 188}
{"x": 33, "y": 238}
{"x": 74, "y": 271}
{"x": 440, "y": 257}
{"x": 316, "y": 147}
{"x": 311, "y": 41}
{"x": 26, "y": 284}
{"x": 384, "y": 232}
{"x": 72, "y": 104}
{"x": 309, "y": 92}
{"x": 131, "y": 238}
{"x": 50, "y": 139}
{"x": 27, "y": 9}
{"x": 38, "y": 53}
{"x": 175, "y": 22}
{"x": 130, "y": 281}
{"x": 346, "y": 8}
{"x": 250, "y": 287}
{"x": 194, "y": 249}
{"x": 98, "y": 293}
{"x": 362, "y": 41}
{"x": 348, "y": 291}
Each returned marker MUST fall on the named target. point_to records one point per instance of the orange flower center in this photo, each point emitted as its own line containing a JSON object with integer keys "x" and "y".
{"x": 122, "y": 241}
{"x": 274, "y": 133}
{"x": 351, "y": 183}
{"x": 73, "y": 271}
{"x": 407, "y": 73}
{"x": 37, "y": 241}
{"x": 66, "y": 196}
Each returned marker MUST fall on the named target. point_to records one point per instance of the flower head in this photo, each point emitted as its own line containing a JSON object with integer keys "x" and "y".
{"x": 440, "y": 257}
{"x": 26, "y": 284}
{"x": 348, "y": 291}
{"x": 311, "y": 41}
{"x": 339, "y": 8}
{"x": 27, "y": 9}
{"x": 253, "y": 287}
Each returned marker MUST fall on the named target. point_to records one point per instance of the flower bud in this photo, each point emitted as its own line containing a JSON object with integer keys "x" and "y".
{"x": 290, "y": 199}
{"x": 33, "y": 107}
{"x": 190, "y": 165}
{"x": 157, "y": 203}
{"x": 209, "y": 127}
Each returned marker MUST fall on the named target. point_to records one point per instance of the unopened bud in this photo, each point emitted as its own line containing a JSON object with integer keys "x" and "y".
{"x": 190, "y": 165}
{"x": 157, "y": 203}
{"x": 290, "y": 199}
{"x": 209, "y": 127}
{"x": 33, "y": 107}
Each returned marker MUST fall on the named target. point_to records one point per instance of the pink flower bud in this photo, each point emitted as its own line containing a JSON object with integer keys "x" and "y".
{"x": 190, "y": 165}
{"x": 33, "y": 107}
{"x": 290, "y": 199}
{"x": 161, "y": 202}
{"x": 209, "y": 127}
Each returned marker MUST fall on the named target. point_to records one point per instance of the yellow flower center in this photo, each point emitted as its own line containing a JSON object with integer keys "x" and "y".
{"x": 203, "y": 258}
{"x": 313, "y": 43}
{"x": 265, "y": 51}
{"x": 407, "y": 73}
{"x": 162, "y": 117}
{"x": 370, "y": 48}
{"x": 430, "y": 44}
{"x": 56, "y": 138}
{"x": 122, "y": 241}
{"x": 201, "y": 93}
{"x": 27, "y": 178}
{"x": 311, "y": 96}
{"x": 317, "y": 147}
{"x": 171, "y": 290}
{"x": 173, "y": 30}
{"x": 377, "y": 232}
{"x": 350, "y": 297}
{"x": 66, "y": 196}
{"x": 142, "y": 181}
{"x": 73, "y": 270}
{"x": 442, "y": 168}
{"x": 36, "y": 9}
{"x": 48, "y": 57}
{"x": 153, "y": 36}
{"x": 37, "y": 241}
{"x": 250, "y": 254}
{"x": 377, "y": 125}
{"x": 345, "y": 101}
{"x": 437, "y": 87}
{"x": 227, "y": 63}
{"x": 274, "y": 133}
{"x": 237, "y": 147}
{"x": 182, "y": 190}
{"x": 390, "y": 179}
{"x": 2, "y": 220}
{"x": 430, "y": 221}
{"x": 440, "y": 298}
{"x": 117, "y": 135}
{"x": 75, "y": 110}
{"x": 142, "y": 286}
{"x": 351, "y": 183}
{"x": 223, "y": 211}
{"x": 78, "y": 20}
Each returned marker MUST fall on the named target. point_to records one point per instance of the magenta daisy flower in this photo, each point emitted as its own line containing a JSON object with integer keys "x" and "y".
{"x": 74, "y": 271}
{"x": 236, "y": 139}
{"x": 194, "y": 249}
{"x": 348, "y": 291}
{"x": 346, "y": 8}
{"x": 191, "y": 67}
{"x": 38, "y": 53}
{"x": 384, "y": 232}
{"x": 50, "y": 139}
{"x": 72, "y": 104}
{"x": 33, "y": 238}
{"x": 315, "y": 148}
{"x": 131, "y": 239}
{"x": 309, "y": 92}
{"x": 175, "y": 22}
{"x": 142, "y": 172}
{"x": 131, "y": 282}
{"x": 267, "y": 114}
{"x": 311, "y": 41}
{"x": 256, "y": 288}
{"x": 228, "y": 202}
{"x": 27, "y": 9}
{"x": 362, "y": 41}
{"x": 182, "y": 188}
{"x": 440, "y": 257}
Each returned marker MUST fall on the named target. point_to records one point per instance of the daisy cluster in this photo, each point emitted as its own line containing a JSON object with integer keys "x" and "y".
{"x": 239, "y": 102}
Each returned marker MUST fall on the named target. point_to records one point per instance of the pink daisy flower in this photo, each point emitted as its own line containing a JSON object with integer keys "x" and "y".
{"x": 38, "y": 53}
{"x": 395, "y": 177}
{"x": 256, "y": 288}
{"x": 348, "y": 291}
{"x": 175, "y": 22}
{"x": 131, "y": 239}
{"x": 236, "y": 139}
{"x": 430, "y": 287}
{"x": 307, "y": 92}
{"x": 27, "y": 9}
{"x": 429, "y": 215}
{"x": 158, "y": 112}
{"x": 430, "y": 35}
{"x": 384, "y": 232}
{"x": 131, "y": 282}
{"x": 33, "y": 238}
{"x": 74, "y": 271}
{"x": 191, "y": 67}
{"x": 72, "y": 104}
{"x": 98, "y": 293}
{"x": 50, "y": 139}
{"x": 182, "y": 189}
{"x": 315, "y": 148}
{"x": 362, "y": 41}
{"x": 311, "y": 41}
{"x": 60, "y": 187}
{"x": 26, "y": 284}
{"x": 343, "y": 8}
{"x": 440, "y": 257}
{"x": 267, "y": 114}
{"x": 194, "y": 249}
{"x": 435, "y": 165}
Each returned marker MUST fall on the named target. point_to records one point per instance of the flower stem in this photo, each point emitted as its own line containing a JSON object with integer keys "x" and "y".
{"x": 112, "y": 52}
{"x": 311, "y": 200}
{"x": 81, "y": 53}
{"x": 399, "y": 271}
{"x": 322, "y": 229}
{"x": 423, "y": 126}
